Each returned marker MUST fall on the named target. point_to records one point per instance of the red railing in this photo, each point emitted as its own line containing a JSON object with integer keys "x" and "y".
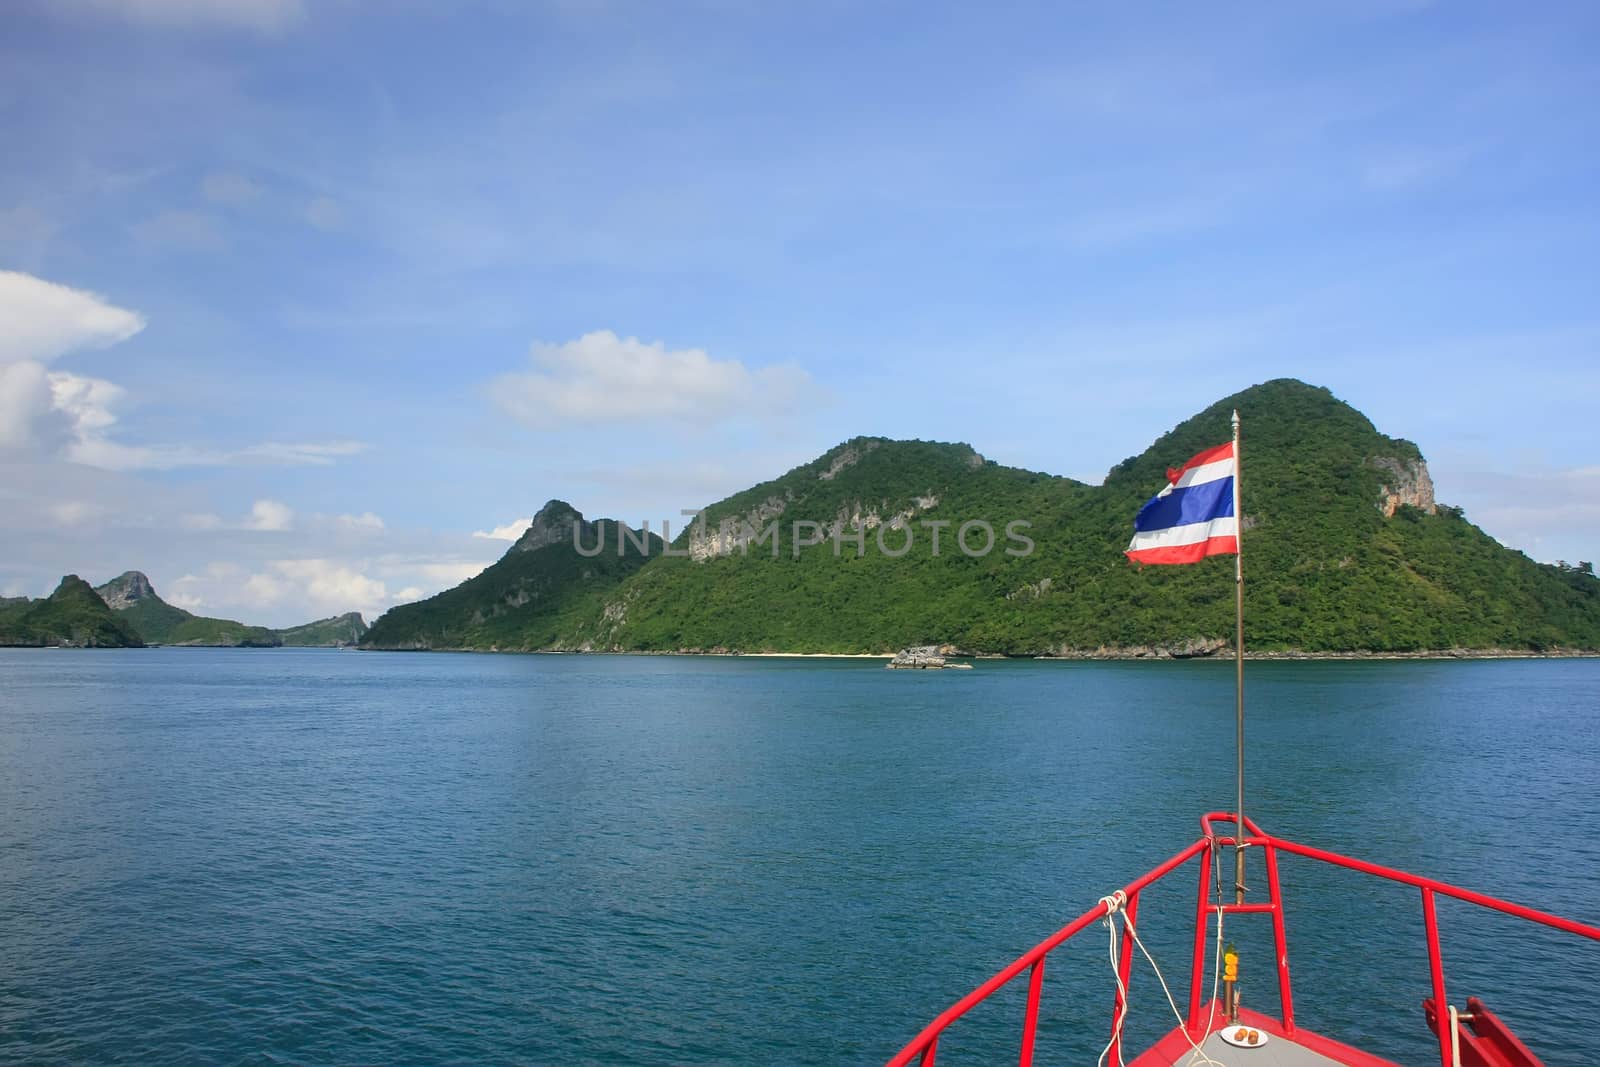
{"x": 926, "y": 1044}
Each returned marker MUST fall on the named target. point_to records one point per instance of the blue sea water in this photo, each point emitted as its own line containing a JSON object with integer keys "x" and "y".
{"x": 291, "y": 856}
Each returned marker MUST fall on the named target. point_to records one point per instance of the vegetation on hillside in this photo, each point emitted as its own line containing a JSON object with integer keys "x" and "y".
{"x": 131, "y": 596}
{"x": 1325, "y": 569}
{"x": 72, "y": 615}
{"x": 159, "y": 623}
{"x": 338, "y": 631}
{"x": 532, "y": 598}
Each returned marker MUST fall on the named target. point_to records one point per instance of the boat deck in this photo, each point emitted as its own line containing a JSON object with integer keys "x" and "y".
{"x": 1303, "y": 1049}
{"x": 1277, "y": 1052}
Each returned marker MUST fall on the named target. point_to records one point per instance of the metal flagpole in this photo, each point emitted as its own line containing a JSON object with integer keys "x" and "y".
{"x": 1238, "y": 663}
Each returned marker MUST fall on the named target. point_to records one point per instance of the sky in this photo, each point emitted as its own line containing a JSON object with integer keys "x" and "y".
{"x": 305, "y": 305}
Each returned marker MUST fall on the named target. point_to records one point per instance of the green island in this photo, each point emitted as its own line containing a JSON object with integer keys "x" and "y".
{"x": 338, "y": 631}
{"x": 1346, "y": 551}
{"x": 880, "y": 545}
{"x": 72, "y": 616}
{"x": 126, "y": 612}
{"x": 131, "y": 596}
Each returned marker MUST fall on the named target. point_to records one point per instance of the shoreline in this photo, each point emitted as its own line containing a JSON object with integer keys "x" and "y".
{"x": 1097, "y": 655}
{"x": 1296, "y": 655}
{"x": 1073, "y": 656}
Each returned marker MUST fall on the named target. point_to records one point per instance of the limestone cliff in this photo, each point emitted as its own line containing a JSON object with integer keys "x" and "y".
{"x": 126, "y": 590}
{"x": 1404, "y": 482}
{"x": 131, "y": 595}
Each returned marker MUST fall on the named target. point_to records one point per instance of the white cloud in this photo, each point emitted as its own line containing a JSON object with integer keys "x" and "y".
{"x": 41, "y": 320}
{"x": 111, "y": 455}
{"x": 601, "y": 377}
{"x": 408, "y": 594}
{"x": 86, "y": 401}
{"x": 28, "y": 418}
{"x": 319, "y": 454}
{"x": 331, "y": 586}
{"x": 509, "y": 532}
{"x": 449, "y": 574}
{"x": 55, "y": 412}
{"x": 1546, "y": 512}
{"x": 266, "y": 516}
{"x": 366, "y": 521}
{"x": 97, "y": 451}
{"x": 82, "y": 410}
{"x": 227, "y": 188}
{"x": 266, "y": 16}
{"x": 263, "y": 590}
{"x": 324, "y": 213}
{"x": 270, "y": 515}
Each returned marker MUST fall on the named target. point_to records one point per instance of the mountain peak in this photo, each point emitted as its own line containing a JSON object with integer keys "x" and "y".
{"x": 72, "y": 615}
{"x": 1282, "y": 416}
{"x": 73, "y": 588}
{"x": 126, "y": 589}
{"x": 551, "y": 525}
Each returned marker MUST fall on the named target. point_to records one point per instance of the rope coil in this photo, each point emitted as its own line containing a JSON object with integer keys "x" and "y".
{"x": 1116, "y": 903}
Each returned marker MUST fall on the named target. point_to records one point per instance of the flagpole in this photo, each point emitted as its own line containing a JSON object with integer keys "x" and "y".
{"x": 1238, "y": 663}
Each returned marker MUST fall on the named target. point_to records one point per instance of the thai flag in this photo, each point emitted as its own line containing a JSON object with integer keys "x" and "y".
{"x": 1191, "y": 518}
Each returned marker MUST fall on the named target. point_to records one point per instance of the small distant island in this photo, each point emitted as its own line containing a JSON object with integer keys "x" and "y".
{"x": 126, "y": 613}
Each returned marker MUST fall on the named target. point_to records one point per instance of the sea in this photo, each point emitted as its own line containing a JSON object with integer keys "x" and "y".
{"x": 289, "y": 856}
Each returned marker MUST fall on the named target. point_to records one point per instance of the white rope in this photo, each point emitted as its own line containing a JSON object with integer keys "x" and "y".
{"x": 1115, "y": 904}
{"x": 1211, "y": 1013}
{"x": 1455, "y": 1038}
{"x": 1216, "y": 959}
{"x": 1203, "y": 1059}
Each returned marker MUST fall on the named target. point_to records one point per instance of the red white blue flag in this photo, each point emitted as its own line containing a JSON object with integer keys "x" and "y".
{"x": 1191, "y": 518}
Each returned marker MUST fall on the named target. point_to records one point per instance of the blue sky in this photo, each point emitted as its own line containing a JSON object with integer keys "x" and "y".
{"x": 300, "y": 294}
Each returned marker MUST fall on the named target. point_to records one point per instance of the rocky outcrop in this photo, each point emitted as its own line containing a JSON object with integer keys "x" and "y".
{"x": 925, "y": 658}
{"x": 126, "y": 590}
{"x": 849, "y": 456}
{"x": 1188, "y": 648}
{"x": 552, "y": 526}
{"x": 734, "y": 532}
{"x": 1032, "y": 590}
{"x": 1405, "y": 482}
{"x": 136, "y": 602}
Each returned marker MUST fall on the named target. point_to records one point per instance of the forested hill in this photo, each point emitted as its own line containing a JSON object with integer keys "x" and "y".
{"x": 335, "y": 632}
{"x": 1345, "y": 550}
{"x": 540, "y": 594}
{"x": 131, "y": 596}
{"x": 73, "y": 615}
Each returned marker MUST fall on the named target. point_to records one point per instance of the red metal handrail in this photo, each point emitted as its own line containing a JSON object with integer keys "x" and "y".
{"x": 926, "y": 1043}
